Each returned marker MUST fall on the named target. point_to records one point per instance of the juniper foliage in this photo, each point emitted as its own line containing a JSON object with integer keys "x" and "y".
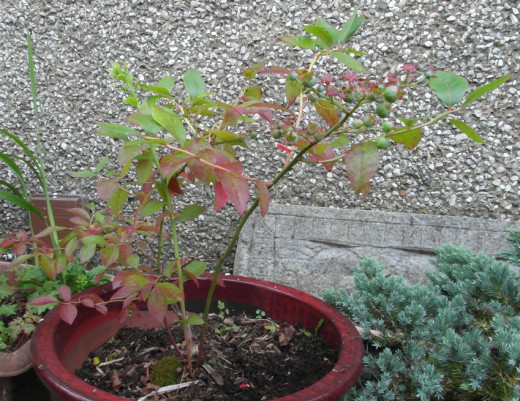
{"x": 455, "y": 337}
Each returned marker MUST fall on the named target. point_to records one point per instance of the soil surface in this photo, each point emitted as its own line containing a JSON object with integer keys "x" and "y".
{"x": 245, "y": 359}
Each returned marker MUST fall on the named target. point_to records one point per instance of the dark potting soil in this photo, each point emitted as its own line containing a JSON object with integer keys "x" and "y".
{"x": 244, "y": 359}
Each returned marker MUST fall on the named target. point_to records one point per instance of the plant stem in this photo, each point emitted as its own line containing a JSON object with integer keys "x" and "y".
{"x": 243, "y": 221}
{"x": 40, "y": 165}
{"x": 175, "y": 242}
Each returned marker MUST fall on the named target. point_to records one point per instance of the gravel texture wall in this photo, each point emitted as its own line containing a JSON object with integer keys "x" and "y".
{"x": 76, "y": 42}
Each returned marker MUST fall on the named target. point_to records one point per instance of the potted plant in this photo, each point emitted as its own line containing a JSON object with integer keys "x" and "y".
{"x": 25, "y": 279}
{"x": 176, "y": 145}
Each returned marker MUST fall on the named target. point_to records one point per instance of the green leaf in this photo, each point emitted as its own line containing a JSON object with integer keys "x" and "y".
{"x": 466, "y": 129}
{"x": 299, "y": 41}
{"x": 163, "y": 87}
{"x": 348, "y": 61}
{"x": 341, "y": 141}
{"x": 351, "y": 26}
{"x": 191, "y": 212}
{"x": 145, "y": 121}
{"x": 118, "y": 199}
{"x": 116, "y": 131}
{"x": 151, "y": 208}
{"x": 333, "y": 32}
{"x": 133, "y": 261}
{"x": 167, "y": 83}
{"x": 448, "y": 87}
{"x": 144, "y": 167}
{"x": 11, "y": 188}
{"x": 225, "y": 136}
{"x": 171, "y": 121}
{"x": 327, "y": 111}
{"x": 322, "y": 34}
{"x": 194, "y": 319}
{"x": 14, "y": 167}
{"x": 20, "y": 202}
{"x": 479, "y": 92}
{"x": 102, "y": 163}
{"x": 84, "y": 174}
{"x": 129, "y": 151}
{"x": 195, "y": 267}
{"x": 407, "y": 137}
{"x": 48, "y": 230}
{"x": 361, "y": 163}
{"x": 86, "y": 252}
{"x": 193, "y": 83}
{"x": 251, "y": 72}
{"x": 292, "y": 90}
{"x": 253, "y": 93}
{"x": 93, "y": 239}
{"x": 157, "y": 90}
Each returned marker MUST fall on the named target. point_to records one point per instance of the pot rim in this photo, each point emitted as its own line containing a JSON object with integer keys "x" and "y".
{"x": 342, "y": 376}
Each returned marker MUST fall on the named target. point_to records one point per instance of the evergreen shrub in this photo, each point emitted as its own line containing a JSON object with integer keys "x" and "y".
{"x": 455, "y": 337}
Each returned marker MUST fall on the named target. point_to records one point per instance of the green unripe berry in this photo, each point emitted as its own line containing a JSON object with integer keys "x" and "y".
{"x": 293, "y": 76}
{"x": 368, "y": 121}
{"x": 390, "y": 93}
{"x": 351, "y": 97}
{"x": 382, "y": 142}
{"x": 310, "y": 83}
{"x": 357, "y": 124}
{"x": 321, "y": 89}
{"x": 291, "y": 138}
{"x": 253, "y": 134}
{"x": 387, "y": 126}
{"x": 382, "y": 110}
{"x": 276, "y": 134}
{"x": 317, "y": 137}
{"x": 429, "y": 74}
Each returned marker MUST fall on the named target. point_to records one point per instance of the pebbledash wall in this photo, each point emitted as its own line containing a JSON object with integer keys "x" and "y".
{"x": 75, "y": 43}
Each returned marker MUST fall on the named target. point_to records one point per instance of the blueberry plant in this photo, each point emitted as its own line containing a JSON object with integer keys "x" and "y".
{"x": 170, "y": 141}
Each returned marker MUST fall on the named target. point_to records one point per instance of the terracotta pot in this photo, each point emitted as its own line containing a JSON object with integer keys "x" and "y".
{"x": 60, "y": 205}
{"x": 58, "y": 349}
{"x": 13, "y": 364}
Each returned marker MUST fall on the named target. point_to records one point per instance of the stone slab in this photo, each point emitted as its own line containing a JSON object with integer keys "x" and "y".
{"x": 314, "y": 248}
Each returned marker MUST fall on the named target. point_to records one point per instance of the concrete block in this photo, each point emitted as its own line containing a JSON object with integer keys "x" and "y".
{"x": 313, "y": 248}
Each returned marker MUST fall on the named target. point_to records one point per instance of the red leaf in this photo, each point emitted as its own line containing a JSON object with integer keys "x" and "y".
{"x": 19, "y": 248}
{"x": 232, "y": 115}
{"x": 170, "y": 163}
{"x": 129, "y": 277}
{"x": 67, "y": 313}
{"x": 101, "y": 309}
{"x": 263, "y": 197}
{"x": 157, "y": 305}
{"x": 361, "y": 162}
{"x": 174, "y": 187}
{"x": 237, "y": 190}
{"x": 221, "y": 196}
{"x": 109, "y": 255}
{"x": 283, "y": 148}
{"x": 87, "y": 302}
{"x": 327, "y": 111}
{"x": 106, "y": 188}
{"x": 45, "y": 300}
{"x": 65, "y": 293}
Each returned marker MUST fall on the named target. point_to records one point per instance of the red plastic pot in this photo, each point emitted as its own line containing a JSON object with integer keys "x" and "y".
{"x": 58, "y": 349}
